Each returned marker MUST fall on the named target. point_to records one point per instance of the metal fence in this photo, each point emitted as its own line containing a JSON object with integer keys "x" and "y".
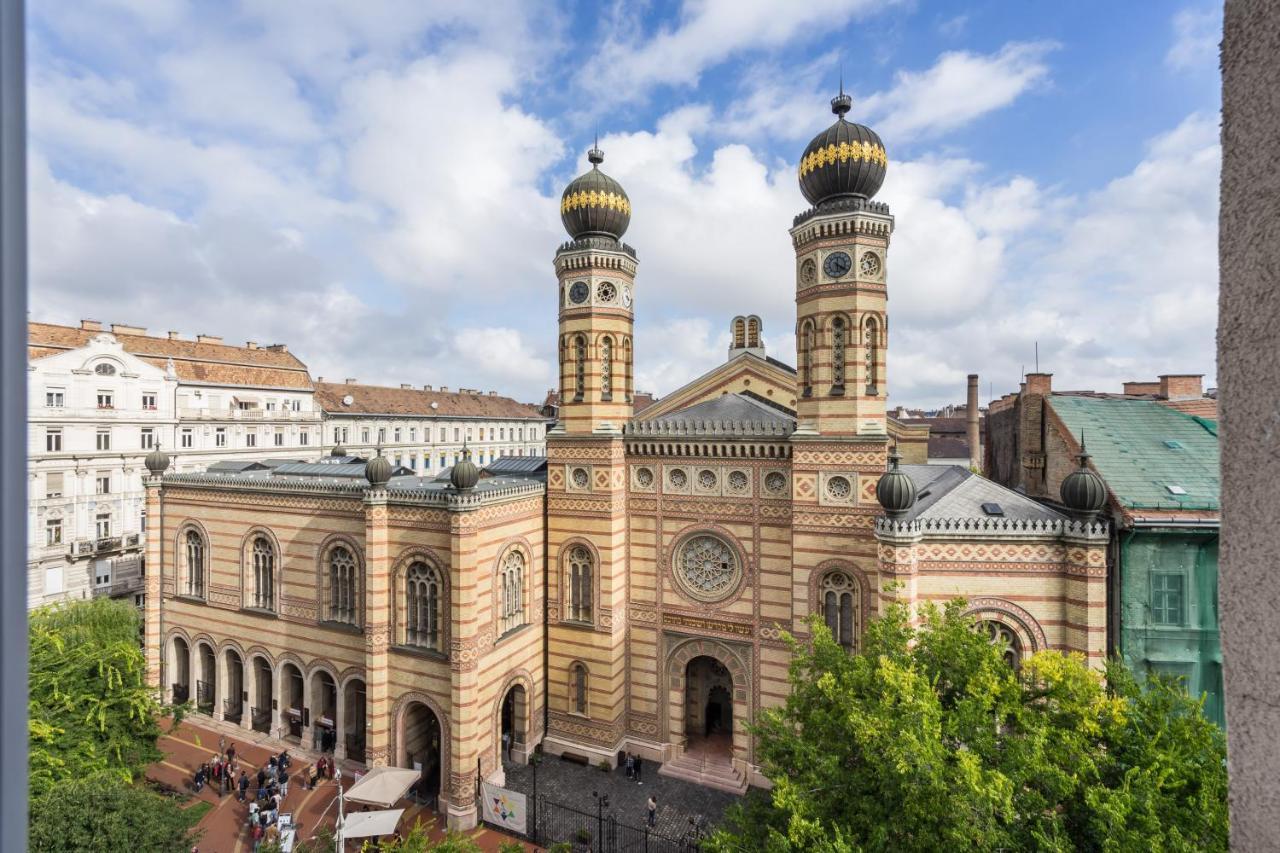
{"x": 204, "y": 696}
{"x": 551, "y": 822}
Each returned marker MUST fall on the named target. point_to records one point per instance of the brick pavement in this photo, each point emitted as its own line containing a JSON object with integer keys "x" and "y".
{"x": 225, "y": 826}
{"x": 572, "y": 785}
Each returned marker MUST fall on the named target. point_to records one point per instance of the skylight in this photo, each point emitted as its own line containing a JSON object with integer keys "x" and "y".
{"x": 1176, "y": 490}
{"x": 1173, "y": 444}
{"x": 992, "y": 508}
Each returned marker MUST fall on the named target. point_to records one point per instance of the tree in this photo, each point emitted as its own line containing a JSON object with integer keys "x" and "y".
{"x": 102, "y": 813}
{"x": 90, "y": 708}
{"x": 927, "y": 740}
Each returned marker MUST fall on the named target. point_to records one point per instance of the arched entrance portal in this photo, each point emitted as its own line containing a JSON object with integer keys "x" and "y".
{"x": 513, "y": 735}
{"x": 291, "y": 698}
{"x": 353, "y": 719}
{"x": 263, "y": 694}
{"x": 708, "y": 720}
{"x": 180, "y": 667}
{"x": 206, "y": 685}
{"x": 233, "y": 702}
{"x": 420, "y": 748}
{"x": 324, "y": 711}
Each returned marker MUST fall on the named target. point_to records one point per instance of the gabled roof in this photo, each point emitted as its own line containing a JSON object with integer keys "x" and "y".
{"x": 205, "y": 362}
{"x": 416, "y": 402}
{"x": 517, "y": 465}
{"x": 1141, "y": 448}
{"x": 952, "y": 492}
{"x": 726, "y": 415}
{"x": 745, "y": 368}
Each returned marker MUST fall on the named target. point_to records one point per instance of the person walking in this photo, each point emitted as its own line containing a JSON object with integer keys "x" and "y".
{"x": 639, "y": 769}
{"x": 283, "y": 778}
{"x": 244, "y": 784}
{"x": 506, "y": 745}
{"x": 631, "y": 765}
{"x": 231, "y": 753}
{"x": 262, "y": 779}
{"x": 653, "y": 811}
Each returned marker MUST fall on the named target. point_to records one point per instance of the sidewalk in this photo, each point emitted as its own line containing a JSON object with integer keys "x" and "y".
{"x": 195, "y": 741}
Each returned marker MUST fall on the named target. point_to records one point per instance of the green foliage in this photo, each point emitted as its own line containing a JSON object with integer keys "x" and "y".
{"x": 102, "y": 813}
{"x": 418, "y": 840}
{"x": 927, "y": 740}
{"x": 510, "y": 847}
{"x": 90, "y": 709}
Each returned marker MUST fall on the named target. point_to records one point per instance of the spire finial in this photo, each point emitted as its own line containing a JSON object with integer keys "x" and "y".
{"x": 595, "y": 155}
{"x": 841, "y": 103}
{"x": 1083, "y": 456}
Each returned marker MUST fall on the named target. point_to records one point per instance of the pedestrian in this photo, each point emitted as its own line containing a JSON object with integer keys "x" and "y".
{"x": 506, "y": 745}
{"x": 198, "y": 781}
{"x": 284, "y": 783}
{"x": 231, "y": 752}
{"x": 639, "y": 768}
{"x": 257, "y": 836}
{"x": 253, "y": 812}
{"x": 285, "y": 760}
{"x": 271, "y": 762}
{"x": 653, "y": 811}
{"x": 337, "y": 774}
{"x": 244, "y": 784}
{"x": 630, "y": 765}
{"x": 262, "y": 779}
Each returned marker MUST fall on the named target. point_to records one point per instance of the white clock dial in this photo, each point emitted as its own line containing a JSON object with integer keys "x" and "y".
{"x": 626, "y": 296}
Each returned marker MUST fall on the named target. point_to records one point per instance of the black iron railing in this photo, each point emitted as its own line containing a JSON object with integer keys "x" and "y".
{"x": 204, "y": 697}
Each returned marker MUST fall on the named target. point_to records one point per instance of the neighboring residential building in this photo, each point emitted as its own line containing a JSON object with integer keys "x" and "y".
{"x": 634, "y": 590}
{"x": 1156, "y": 448}
{"x": 425, "y": 429}
{"x": 99, "y": 401}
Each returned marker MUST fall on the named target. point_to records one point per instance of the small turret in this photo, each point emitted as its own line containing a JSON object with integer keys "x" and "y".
{"x": 895, "y": 491}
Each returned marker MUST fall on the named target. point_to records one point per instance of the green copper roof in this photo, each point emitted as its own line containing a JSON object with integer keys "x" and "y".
{"x": 1151, "y": 456}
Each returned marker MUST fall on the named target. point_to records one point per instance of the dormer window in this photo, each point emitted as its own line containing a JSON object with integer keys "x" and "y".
{"x": 104, "y": 369}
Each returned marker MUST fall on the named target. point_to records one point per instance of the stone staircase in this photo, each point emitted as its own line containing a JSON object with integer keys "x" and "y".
{"x": 712, "y": 769}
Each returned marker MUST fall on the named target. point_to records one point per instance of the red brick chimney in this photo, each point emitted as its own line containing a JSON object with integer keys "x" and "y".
{"x": 971, "y": 425}
{"x": 1181, "y": 386}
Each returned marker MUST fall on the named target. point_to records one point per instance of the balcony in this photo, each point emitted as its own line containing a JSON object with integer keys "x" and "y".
{"x": 105, "y": 545}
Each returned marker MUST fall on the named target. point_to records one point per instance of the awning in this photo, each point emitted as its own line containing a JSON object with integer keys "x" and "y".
{"x": 382, "y": 786}
{"x": 371, "y": 824}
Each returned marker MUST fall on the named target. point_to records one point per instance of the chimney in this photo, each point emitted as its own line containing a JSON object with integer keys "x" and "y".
{"x": 278, "y": 348}
{"x": 1181, "y": 386}
{"x": 91, "y": 325}
{"x": 319, "y": 379}
{"x": 405, "y": 386}
{"x": 1039, "y": 383}
{"x": 426, "y": 387}
{"x": 1138, "y": 388}
{"x": 493, "y": 393}
{"x": 444, "y": 389}
{"x": 352, "y": 381}
{"x": 251, "y": 344}
{"x": 208, "y": 339}
{"x": 971, "y": 418}
{"x": 122, "y": 329}
{"x": 1031, "y": 428}
{"x": 174, "y": 336}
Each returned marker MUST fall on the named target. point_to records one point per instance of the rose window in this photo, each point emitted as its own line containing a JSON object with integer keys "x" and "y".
{"x": 580, "y": 478}
{"x": 644, "y": 477}
{"x": 838, "y": 488}
{"x": 706, "y": 479}
{"x": 707, "y": 567}
{"x": 775, "y": 482}
{"x": 678, "y": 479}
{"x": 737, "y": 481}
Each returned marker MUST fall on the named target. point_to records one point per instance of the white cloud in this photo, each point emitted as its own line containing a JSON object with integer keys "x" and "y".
{"x": 957, "y": 89}
{"x": 1196, "y": 34}
{"x": 628, "y": 63}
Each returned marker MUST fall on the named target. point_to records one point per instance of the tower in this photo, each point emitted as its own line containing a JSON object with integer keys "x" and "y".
{"x": 586, "y": 484}
{"x": 841, "y": 246}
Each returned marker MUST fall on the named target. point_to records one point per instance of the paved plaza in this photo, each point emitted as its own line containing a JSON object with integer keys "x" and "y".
{"x": 572, "y": 785}
{"x": 225, "y": 826}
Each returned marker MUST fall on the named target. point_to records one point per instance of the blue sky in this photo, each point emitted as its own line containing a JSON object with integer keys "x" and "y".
{"x": 376, "y": 183}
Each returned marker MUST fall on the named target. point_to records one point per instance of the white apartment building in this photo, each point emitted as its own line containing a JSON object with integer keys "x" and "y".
{"x": 99, "y": 400}
{"x": 424, "y": 429}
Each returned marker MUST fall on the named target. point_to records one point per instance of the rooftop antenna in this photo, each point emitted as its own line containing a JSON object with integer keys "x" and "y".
{"x": 1037, "y": 356}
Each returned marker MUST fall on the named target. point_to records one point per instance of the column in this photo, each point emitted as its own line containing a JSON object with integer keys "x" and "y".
{"x": 249, "y": 682}
{"x": 308, "y": 714}
{"x": 340, "y": 722}
{"x": 219, "y": 685}
{"x": 277, "y": 701}
{"x": 153, "y": 644}
{"x": 1085, "y": 607}
{"x": 377, "y": 630}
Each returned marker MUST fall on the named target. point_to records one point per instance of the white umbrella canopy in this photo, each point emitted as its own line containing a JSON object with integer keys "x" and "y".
{"x": 382, "y": 786}
{"x": 371, "y": 824}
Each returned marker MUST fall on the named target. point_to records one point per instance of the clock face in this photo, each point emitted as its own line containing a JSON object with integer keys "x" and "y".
{"x": 808, "y": 271}
{"x": 579, "y": 292}
{"x": 626, "y": 296}
{"x": 837, "y": 264}
{"x": 606, "y": 291}
{"x": 870, "y": 264}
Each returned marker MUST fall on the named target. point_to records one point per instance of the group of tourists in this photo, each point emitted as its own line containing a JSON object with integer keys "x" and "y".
{"x": 220, "y": 773}
{"x": 635, "y": 767}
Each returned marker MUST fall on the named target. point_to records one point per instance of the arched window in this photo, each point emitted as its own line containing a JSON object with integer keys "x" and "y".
{"x": 839, "y": 598}
{"x": 580, "y": 579}
{"x": 423, "y": 597}
{"x": 342, "y": 585}
{"x": 1003, "y": 638}
{"x": 103, "y": 368}
{"x": 739, "y": 333}
{"x": 606, "y": 369}
{"x": 838, "y": 340}
{"x": 194, "y": 546}
{"x": 579, "y": 367}
{"x": 626, "y": 369}
{"x": 578, "y": 687}
{"x": 264, "y": 574}
{"x": 806, "y": 358}
{"x": 869, "y": 355}
{"x": 512, "y": 589}
{"x": 753, "y": 331}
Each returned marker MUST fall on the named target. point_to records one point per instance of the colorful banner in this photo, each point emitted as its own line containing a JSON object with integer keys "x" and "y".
{"x": 503, "y": 808}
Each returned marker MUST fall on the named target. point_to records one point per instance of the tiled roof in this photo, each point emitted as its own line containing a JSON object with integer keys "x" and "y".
{"x": 948, "y": 447}
{"x": 414, "y": 402}
{"x": 950, "y": 492}
{"x": 723, "y": 416}
{"x": 1142, "y": 447}
{"x": 193, "y": 361}
{"x": 1205, "y": 407}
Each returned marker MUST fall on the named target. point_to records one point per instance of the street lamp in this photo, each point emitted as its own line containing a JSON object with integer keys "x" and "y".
{"x": 602, "y": 803}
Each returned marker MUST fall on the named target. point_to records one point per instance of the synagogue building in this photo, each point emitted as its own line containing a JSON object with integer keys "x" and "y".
{"x": 631, "y": 589}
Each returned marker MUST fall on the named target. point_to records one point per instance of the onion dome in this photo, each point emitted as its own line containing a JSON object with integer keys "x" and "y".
{"x": 594, "y": 204}
{"x": 1083, "y": 491}
{"x": 378, "y": 470}
{"x": 157, "y": 461}
{"x": 847, "y": 160}
{"x": 895, "y": 491}
{"x": 465, "y": 474}
{"x": 338, "y": 450}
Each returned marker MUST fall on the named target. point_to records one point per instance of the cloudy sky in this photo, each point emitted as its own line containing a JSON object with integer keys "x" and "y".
{"x": 376, "y": 183}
